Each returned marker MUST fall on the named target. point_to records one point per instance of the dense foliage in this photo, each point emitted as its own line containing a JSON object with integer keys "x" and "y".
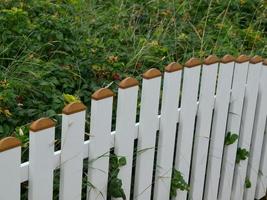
{"x": 53, "y": 52}
{"x": 49, "y": 48}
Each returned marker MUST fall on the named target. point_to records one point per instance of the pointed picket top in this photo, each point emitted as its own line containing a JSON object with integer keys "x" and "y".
{"x": 151, "y": 73}
{"x": 9, "y": 143}
{"x": 192, "y": 62}
{"x": 173, "y": 67}
{"x": 41, "y": 124}
{"x": 264, "y": 62}
{"x": 212, "y": 59}
{"x": 73, "y": 108}
{"x": 242, "y": 58}
{"x": 102, "y": 94}
{"x": 228, "y": 58}
{"x": 256, "y": 59}
{"x": 128, "y": 82}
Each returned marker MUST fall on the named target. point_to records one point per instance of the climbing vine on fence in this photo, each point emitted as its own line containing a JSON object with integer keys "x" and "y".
{"x": 247, "y": 183}
{"x": 230, "y": 138}
{"x": 178, "y": 183}
{"x": 115, "y": 184}
{"x": 242, "y": 154}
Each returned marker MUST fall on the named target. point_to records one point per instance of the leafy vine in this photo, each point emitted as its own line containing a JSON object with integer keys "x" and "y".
{"x": 247, "y": 183}
{"x": 178, "y": 182}
{"x": 230, "y": 138}
{"x": 115, "y": 184}
{"x": 242, "y": 154}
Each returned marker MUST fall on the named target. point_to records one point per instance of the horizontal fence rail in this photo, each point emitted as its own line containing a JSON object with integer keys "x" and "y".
{"x": 200, "y": 135}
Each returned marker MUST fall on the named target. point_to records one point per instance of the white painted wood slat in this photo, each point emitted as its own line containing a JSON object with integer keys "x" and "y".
{"x": 250, "y": 100}
{"x": 257, "y": 136}
{"x": 10, "y": 169}
{"x": 262, "y": 173}
{"x": 233, "y": 126}
{"x": 125, "y": 129}
{"x": 219, "y": 127}
{"x": 187, "y": 122}
{"x": 148, "y": 126}
{"x": 71, "y": 159}
{"x": 203, "y": 127}
{"x": 100, "y": 128}
{"x": 167, "y": 132}
{"x": 41, "y": 159}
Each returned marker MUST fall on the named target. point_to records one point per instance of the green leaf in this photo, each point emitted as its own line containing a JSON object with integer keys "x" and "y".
{"x": 247, "y": 183}
{"x": 230, "y": 138}
{"x": 115, "y": 189}
{"x": 68, "y": 98}
{"x": 122, "y": 161}
{"x": 242, "y": 154}
{"x": 178, "y": 182}
{"x": 1, "y": 129}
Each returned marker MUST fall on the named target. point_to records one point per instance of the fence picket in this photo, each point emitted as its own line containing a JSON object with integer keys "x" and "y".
{"x": 148, "y": 126}
{"x": 250, "y": 100}
{"x": 10, "y": 152}
{"x": 125, "y": 129}
{"x": 262, "y": 173}
{"x": 100, "y": 128}
{"x": 203, "y": 127}
{"x": 167, "y": 132}
{"x": 257, "y": 135}
{"x": 72, "y": 139}
{"x": 233, "y": 127}
{"x": 41, "y": 159}
{"x": 187, "y": 120}
{"x": 224, "y": 85}
{"x": 219, "y": 128}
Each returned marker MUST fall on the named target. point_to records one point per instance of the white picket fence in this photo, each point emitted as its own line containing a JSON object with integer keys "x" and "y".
{"x": 200, "y": 103}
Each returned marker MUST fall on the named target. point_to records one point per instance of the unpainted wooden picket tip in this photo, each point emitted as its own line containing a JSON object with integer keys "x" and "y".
{"x": 264, "y": 62}
{"x": 41, "y": 124}
{"x": 151, "y": 73}
{"x": 102, "y": 94}
{"x": 128, "y": 82}
{"x": 74, "y": 107}
{"x": 228, "y": 58}
{"x": 173, "y": 67}
{"x": 212, "y": 59}
{"x": 9, "y": 143}
{"x": 242, "y": 58}
{"x": 256, "y": 59}
{"x": 192, "y": 62}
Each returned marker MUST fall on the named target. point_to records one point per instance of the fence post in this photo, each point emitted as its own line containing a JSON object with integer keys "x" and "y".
{"x": 41, "y": 159}
{"x": 125, "y": 129}
{"x": 187, "y": 120}
{"x": 148, "y": 126}
{"x": 99, "y": 148}
{"x": 203, "y": 126}
{"x": 248, "y": 114}
{"x": 167, "y": 132}
{"x": 72, "y": 139}
{"x": 10, "y": 155}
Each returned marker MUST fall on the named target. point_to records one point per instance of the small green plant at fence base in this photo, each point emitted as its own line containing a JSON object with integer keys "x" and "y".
{"x": 177, "y": 182}
{"x": 115, "y": 184}
{"x": 230, "y": 138}
{"x": 242, "y": 154}
{"x": 247, "y": 183}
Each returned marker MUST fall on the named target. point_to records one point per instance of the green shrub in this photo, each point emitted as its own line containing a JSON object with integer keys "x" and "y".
{"x": 51, "y": 48}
